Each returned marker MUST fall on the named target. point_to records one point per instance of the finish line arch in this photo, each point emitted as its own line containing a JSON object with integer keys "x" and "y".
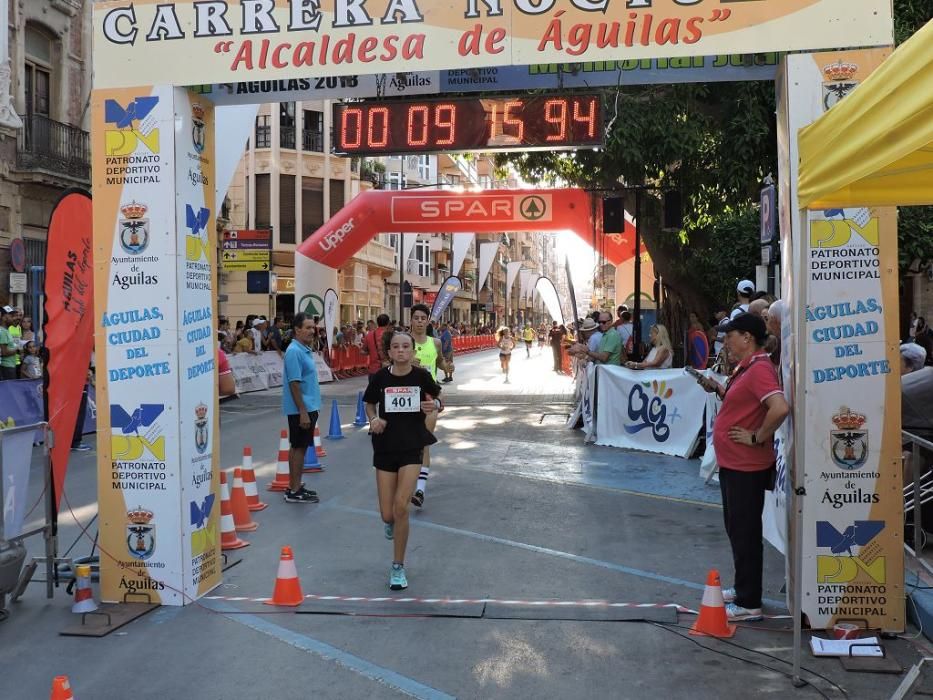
{"x": 448, "y": 211}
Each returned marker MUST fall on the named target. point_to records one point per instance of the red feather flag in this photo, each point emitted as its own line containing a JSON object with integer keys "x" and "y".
{"x": 68, "y": 331}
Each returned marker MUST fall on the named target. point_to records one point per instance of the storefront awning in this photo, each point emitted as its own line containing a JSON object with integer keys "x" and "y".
{"x": 875, "y": 147}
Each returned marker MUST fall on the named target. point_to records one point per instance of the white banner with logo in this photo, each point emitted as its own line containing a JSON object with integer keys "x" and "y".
{"x": 651, "y": 410}
{"x": 487, "y": 253}
{"x": 264, "y": 371}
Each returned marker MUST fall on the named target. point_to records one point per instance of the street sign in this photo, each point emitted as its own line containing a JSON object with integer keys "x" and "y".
{"x": 248, "y": 235}
{"x": 18, "y": 283}
{"x": 242, "y": 255}
{"x": 245, "y": 266}
{"x": 247, "y": 244}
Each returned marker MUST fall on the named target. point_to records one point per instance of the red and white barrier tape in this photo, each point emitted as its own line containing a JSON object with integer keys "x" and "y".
{"x": 457, "y": 601}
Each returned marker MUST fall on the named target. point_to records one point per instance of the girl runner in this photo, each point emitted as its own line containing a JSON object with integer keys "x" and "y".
{"x": 397, "y": 398}
{"x": 505, "y": 343}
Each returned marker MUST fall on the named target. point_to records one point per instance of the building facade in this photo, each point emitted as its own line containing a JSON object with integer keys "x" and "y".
{"x": 45, "y": 84}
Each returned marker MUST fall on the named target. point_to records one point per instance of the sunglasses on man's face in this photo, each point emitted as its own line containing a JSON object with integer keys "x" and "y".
{"x": 608, "y": 320}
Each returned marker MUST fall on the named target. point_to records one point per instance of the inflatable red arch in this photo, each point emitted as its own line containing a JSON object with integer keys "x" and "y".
{"x": 447, "y": 211}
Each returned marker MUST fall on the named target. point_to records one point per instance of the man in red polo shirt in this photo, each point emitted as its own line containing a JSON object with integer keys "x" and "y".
{"x": 372, "y": 345}
{"x": 753, "y": 407}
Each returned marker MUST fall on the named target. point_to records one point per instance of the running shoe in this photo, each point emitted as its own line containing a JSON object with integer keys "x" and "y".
{"x": 728, "y": 595}
{"x": 390, "y": 531}
{"x": 418, "y": 498}
{"x": 397, "y": 580}
{"x": 302, "y": 495}
{"x": 736, "y": 613}
{"x": 81, "y": 447}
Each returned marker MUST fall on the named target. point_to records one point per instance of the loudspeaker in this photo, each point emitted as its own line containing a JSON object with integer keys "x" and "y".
{"x": 613, "y": 215}
{"x": 673, "y": 215}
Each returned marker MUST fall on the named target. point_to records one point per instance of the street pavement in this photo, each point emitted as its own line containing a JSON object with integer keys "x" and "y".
{"x": 518, "y": 509}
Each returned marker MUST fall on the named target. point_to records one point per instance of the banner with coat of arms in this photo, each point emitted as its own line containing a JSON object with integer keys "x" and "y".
{"x": 847, "y": 422}
{"x": 155, "y": 305}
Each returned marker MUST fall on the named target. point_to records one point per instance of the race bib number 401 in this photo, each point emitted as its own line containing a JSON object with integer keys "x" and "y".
{"x": 403, "y": 399}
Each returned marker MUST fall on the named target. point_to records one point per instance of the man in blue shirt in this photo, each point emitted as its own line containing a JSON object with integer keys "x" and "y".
{"x": 447, "y": 350}
{"x": 301, "y": 401}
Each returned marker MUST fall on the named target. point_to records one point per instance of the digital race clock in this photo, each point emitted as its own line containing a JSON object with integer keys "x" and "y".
{"x": 374, "y": 127}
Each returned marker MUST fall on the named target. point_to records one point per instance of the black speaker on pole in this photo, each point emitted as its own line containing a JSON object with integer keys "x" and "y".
{"x": 613, "y": 215}
{"x": 673, "y": 210}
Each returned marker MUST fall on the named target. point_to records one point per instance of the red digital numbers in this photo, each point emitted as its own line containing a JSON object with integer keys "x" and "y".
{"x": 468, "y": 123}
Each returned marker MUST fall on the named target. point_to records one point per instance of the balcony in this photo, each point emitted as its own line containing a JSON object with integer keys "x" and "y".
{"x": 313, "y": 140}
{"x": 53, "y": 147}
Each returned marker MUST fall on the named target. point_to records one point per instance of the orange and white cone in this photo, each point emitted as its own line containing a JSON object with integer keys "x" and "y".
{"x": 61, "y": 689}
{"x": 287, "y": 586}
{"x": 249, "y": 482}
{"x": 228, "y": 537}
{"x": 242, "y": 520}
{"x": 318, "y": 445}
{"x": 281, "y": 480}
{"x": 712, "y": 620}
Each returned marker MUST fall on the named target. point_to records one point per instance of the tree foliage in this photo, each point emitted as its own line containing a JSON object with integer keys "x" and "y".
{"x": 714, "y": 143}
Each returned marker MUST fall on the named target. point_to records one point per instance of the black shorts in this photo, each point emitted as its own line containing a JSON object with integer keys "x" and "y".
{"x": 393, "y": 461}
{"x": 298, "y": 437}
{"x": 504, "y": 355}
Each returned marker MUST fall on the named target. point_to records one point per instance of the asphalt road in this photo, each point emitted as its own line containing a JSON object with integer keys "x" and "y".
{"x": 518, "y": 510}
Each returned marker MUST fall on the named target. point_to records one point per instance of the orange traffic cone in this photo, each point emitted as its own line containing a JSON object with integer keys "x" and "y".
{"x": 249, "y": 482}
{"x": 242, "y": 520}
{"x": 712, "y": 621}
{"x": 318, "y": 445}
{"x": 61, "y": 689}
{"x": 228, "y": 538}
{"x": 287, "y": 586}
{"x": 281, "y": 481}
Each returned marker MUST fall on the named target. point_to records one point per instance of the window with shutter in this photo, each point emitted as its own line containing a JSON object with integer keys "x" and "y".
{"x": 286, "y": 209}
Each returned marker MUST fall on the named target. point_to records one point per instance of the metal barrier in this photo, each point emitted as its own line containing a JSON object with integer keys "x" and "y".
{"x": 919, "y": 491}
{"x": 13, "y": 487}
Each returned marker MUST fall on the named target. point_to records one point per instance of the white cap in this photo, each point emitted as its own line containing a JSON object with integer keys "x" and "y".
{"x": 745, "y": 287}
{"x": 258, "y": 322}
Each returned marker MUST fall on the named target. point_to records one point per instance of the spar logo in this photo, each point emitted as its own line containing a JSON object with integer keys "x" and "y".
{"x": 133, "y": 126}
{"x": 648, "y": 411}
{"x": 334, "y": 238}
{"x": 862, "y": 560}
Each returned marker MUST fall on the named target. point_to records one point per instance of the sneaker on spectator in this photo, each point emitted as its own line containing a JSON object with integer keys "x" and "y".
{"x": 300, "y": 496}
{"x": 728, "y": 595}
{"x": 81, "y": 447}
{"x": 736, "y": 613}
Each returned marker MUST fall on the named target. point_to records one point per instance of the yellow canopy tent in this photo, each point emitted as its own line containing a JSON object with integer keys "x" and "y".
{"x": 875, "y": 147}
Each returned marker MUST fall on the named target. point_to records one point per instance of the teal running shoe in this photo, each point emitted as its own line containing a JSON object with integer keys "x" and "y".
{"x": 397, "y": 580}
{"x": 390, "y": 531}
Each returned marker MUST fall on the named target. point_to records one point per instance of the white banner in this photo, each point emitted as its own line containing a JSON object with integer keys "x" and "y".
{"x": 655, "y": 411}
{"x": 511, "y": 271}
{"x": 330, "y": 315}
{"x": 545, "y": 288}
{"x": 460, "y": 244}
{"x": 408, "y": 245}
{"x": 15, "y": 457}
{"x": 524, "y": 277}
{"x": 264, "y": 371}
{"x": 487, "y": 253}
{"x": 708, "y": 463}
{"x": 232, "y": 128}
{"x": 532, "y": 287}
